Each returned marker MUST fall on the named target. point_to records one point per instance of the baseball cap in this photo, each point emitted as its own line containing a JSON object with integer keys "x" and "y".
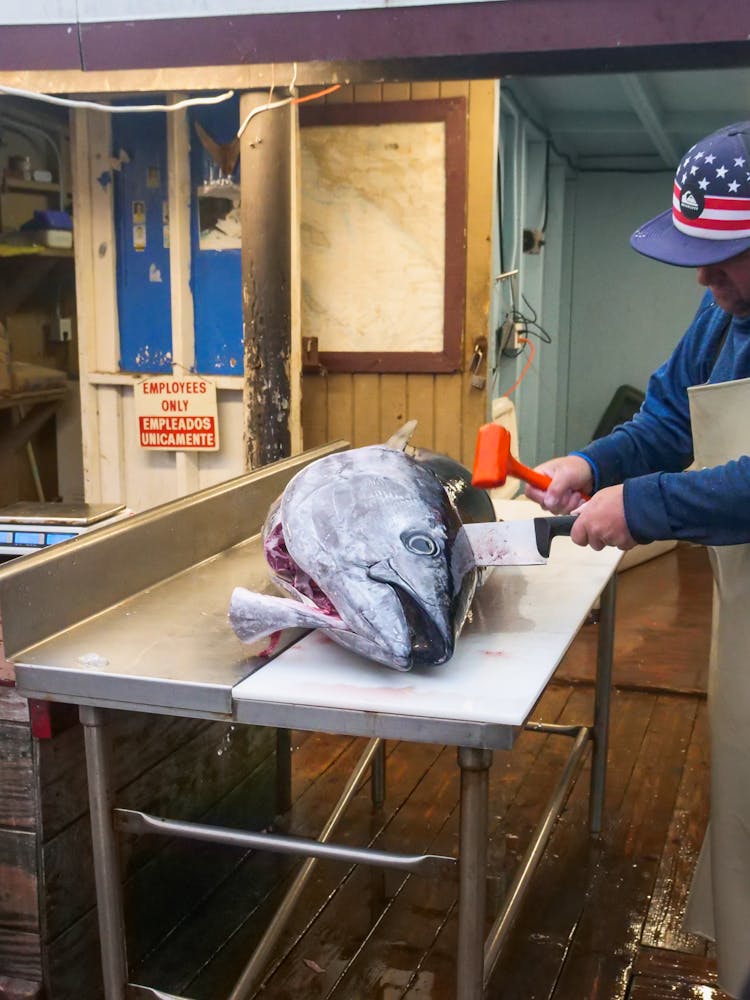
{"x": 709, "y": 220}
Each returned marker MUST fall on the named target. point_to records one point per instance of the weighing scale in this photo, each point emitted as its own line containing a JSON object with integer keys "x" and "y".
{"x": 28, "y": 526}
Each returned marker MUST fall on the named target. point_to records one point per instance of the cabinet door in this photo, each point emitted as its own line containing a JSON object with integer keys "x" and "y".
{"x": 142, "y": 234}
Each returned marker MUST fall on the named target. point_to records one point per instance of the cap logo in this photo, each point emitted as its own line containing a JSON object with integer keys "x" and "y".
{"x": 711, "y": 194}
{"x": 691, "y": 202}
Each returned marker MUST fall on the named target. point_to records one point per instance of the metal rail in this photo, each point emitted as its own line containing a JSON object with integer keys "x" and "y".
{"x": 133, "y": 821}
{"x": 507, "y": 916}
{"x": 254, "y": 968}
{"x": 135, "y": 992}
{"x": 474, "y": 768}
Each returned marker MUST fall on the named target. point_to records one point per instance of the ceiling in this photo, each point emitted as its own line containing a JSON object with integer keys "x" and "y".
{"x": 631, "y": 121}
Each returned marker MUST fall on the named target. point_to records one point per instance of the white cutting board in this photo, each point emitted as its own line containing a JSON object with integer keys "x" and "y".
{"x": 523, "y": 620}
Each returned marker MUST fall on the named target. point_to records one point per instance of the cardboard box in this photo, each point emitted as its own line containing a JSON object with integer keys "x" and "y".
{"x": 17, "y": 207}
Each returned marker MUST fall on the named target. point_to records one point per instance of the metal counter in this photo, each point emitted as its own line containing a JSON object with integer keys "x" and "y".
{"x": 134, "y": 617}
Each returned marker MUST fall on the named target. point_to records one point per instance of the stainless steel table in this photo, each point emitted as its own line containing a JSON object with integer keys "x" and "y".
{"x": 159, "y": 641}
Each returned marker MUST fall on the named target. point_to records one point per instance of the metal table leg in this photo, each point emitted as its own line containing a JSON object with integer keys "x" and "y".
{"x": 472, "y": 866}
{"x": 250, "y": 974}
{"x": 378, "y": 777}
{"x": 283, "y": 770}
{"x": 601, "y": 704}
{"x": 104, "y": 849}
{"x": 534, "y": 852}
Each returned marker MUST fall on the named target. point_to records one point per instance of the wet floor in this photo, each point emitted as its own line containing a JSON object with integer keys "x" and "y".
{"x": 603, "y": 918}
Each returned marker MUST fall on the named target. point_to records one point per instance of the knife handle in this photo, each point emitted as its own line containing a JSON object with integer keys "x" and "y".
{"x": 546, "y": 528}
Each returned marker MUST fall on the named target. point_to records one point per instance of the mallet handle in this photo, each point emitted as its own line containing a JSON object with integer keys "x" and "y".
{"x": 530, "y": 476}
{"x": 493, "y": 462}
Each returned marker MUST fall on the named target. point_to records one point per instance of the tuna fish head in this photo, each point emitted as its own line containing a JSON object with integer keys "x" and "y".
{"x": 370, "y": 544}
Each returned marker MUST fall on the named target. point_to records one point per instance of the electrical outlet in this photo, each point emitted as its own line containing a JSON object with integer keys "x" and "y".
{"x": 511, "y": 334}
{"x": 504, "y": 334}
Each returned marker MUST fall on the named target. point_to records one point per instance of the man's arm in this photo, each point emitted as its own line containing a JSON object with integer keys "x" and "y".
{"x": 709, "y": 506}
{"x": 647, "y": 454}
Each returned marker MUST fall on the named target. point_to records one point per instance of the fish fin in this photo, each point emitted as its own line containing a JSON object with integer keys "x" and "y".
{"x": 254, "y": 616}
{"x": 402, "y": 436}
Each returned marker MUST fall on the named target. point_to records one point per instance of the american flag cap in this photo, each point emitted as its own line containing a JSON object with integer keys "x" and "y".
{"x": 709, "y": 220}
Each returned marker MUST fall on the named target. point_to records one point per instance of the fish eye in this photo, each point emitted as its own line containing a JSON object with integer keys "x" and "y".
{"x": 420, "y": 543}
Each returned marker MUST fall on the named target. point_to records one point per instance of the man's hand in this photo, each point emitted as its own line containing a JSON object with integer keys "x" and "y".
{"x": 571, "y": 478}
{"x": 601, "y": 521}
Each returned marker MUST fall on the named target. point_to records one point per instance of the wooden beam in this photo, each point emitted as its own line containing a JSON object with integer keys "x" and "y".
{"x": 162, "y": 80}
{"x": 643, "y": 99}
{"x": 187, "y": 464}
{"x": 266, "y": 214}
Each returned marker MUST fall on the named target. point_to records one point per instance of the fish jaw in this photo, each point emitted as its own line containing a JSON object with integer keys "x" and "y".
{"x": 427, "y": 628}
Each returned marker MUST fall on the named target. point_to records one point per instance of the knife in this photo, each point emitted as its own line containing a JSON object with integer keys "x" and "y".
{"x": 516, "y": 543}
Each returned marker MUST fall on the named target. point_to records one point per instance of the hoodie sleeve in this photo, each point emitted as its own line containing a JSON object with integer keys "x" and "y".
{"x": 649, "y": 452}
{"x": 708, "y": 506}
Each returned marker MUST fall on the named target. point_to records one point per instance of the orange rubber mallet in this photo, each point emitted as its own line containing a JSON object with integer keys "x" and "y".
{"x": 493, "y": 462}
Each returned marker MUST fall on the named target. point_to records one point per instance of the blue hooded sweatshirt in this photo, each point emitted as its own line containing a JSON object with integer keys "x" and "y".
{"x": 649, "y": 452}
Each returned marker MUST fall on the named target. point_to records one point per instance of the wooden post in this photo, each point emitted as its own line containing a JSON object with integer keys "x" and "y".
{"x": 266, "y": 213}
{"x": 187, "y": 464}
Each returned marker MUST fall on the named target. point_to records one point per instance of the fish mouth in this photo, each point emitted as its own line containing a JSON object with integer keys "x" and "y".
{"x": 428, "y": 633}
{"x": 430, "y": 645}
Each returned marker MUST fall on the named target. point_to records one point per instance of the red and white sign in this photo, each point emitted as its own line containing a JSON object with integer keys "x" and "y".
{"x": 177, "y": 414}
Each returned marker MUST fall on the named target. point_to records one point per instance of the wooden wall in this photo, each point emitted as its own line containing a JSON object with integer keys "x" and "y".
{"x": 181, "y": 768}
{"x": 20, "y": 944}
{"x": 362, "y": 409}
{"x": 366, "y": 409}
{"x": 184, "y": 768}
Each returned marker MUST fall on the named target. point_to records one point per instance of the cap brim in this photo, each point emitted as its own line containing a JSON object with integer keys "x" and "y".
{"x": 658, "y": 238}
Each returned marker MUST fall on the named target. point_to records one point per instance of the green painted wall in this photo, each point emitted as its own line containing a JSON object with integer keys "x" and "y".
{"x": 626, "y": 312}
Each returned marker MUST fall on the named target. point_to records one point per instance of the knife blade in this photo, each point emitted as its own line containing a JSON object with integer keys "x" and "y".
{"x": 516, "y": 543}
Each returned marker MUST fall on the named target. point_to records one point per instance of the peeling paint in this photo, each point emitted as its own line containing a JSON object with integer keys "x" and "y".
{"x": 122, "y": 157}
{"x": 145, "y": 358}
{"x": 154, "y": 274}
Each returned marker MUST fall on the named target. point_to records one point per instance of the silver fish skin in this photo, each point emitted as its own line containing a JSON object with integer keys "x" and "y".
{"x": 369, "y": 544}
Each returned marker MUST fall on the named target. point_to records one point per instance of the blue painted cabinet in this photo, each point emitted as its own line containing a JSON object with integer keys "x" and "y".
{"x": 142, "y": 240}
{"x": 216, "y": 270}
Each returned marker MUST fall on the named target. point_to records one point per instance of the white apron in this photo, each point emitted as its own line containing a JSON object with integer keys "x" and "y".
{"x": 719, "y": 904}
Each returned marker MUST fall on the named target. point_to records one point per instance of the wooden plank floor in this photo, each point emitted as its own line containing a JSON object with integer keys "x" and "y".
{"x": 603, "y": 918}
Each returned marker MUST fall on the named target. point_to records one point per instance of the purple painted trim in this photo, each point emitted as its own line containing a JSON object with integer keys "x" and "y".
{"x": 509, "y": 26}
{"x": 39, "y": 46}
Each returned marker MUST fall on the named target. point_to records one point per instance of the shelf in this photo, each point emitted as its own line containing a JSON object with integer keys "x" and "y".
{"x": 11, "y": 252}
{"x": 32, "y": 398}
{"x": 24, "y": 269}
{"x": 19, "y": 184}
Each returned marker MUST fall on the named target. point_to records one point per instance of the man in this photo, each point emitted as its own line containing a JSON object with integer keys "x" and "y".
{"x": 697, "y": 406}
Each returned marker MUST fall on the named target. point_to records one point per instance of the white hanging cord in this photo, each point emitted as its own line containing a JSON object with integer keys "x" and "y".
{"x": 189, "y": 102}
{"x": 257, "y": 111}
{"x": 69, "y": 102}
{"x": 269, "y": 106}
